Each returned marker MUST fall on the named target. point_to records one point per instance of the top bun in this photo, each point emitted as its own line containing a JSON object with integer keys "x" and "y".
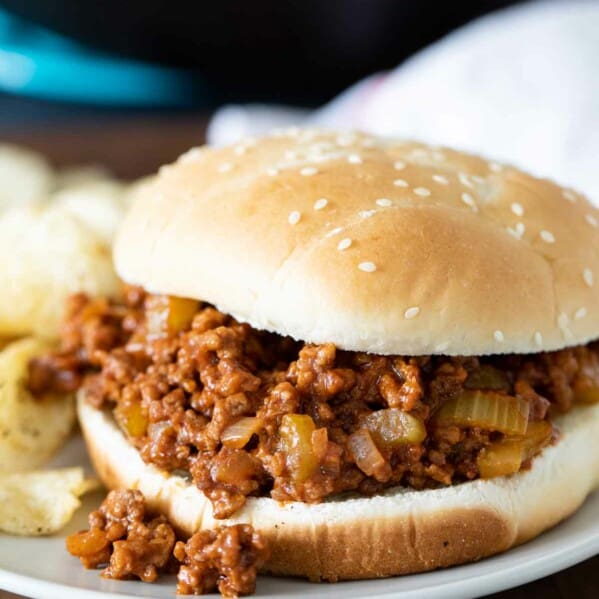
{"x": 376, "y": 245}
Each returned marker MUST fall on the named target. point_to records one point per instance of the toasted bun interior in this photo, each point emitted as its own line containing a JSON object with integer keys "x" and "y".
{"x": 398, "y": 532}
{"x": 375, "y": 245}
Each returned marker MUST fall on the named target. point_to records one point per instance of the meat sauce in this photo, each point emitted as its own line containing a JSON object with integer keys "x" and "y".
{"x": 251, "y": 413}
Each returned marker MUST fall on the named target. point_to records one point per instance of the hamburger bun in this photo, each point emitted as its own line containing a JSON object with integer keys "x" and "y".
{"x": 375, "y": 245}
{"x": 397, "y": 532}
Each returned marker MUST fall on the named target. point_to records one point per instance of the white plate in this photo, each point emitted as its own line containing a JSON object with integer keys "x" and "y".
{"x": 41, "y": 567}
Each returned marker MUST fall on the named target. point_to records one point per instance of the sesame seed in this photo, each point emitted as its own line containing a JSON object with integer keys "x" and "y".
{"x": 438, "y": 156}
{"x": 547, "y": 236}
{"x": 463, "y": 177}
{"x": 469, "y": 201}
{"x": 538, "y": 339}
{"x": 419, "y": 153}
{"x": 441, "y": 347}
{"x": 384, "y": 202}
{"x": 294, "y": 217}
{"x": 399, "y": 165}
{"x": 440, "y": 179}
{"x": 318, "y": 157}
{"x": 367, "y": 266}
{"x": 517, "y": 231}
{"x": 568, "y": 195}
{"x": 290, "y": 154}
{"x": 368, "y": 142}
{"x": 400, "y": 183}
{"x": 514, "y": 233}
{"x": 580, "y": 313}
{"x": 366, "y": 213}
{"x": 308, "y": 171}
{"x": 495, "y": 167}
{"x": 499, "y": 336}
{"x": 587, "y": 275}
{"x": 411, "y": 312}
{"x": 272, "y": 172}
{"x": 240, "y": 150}
{"x": 344, "y": 244}
{"x": 354, "y": 159}
{"x": 423, "y": 192}
{"x": 225, "y": 167}
{"x": 563, "y": 320}
{"x": 478, "y": 179}
{"x": 320, "y": 147}
{"x": 320, "y": 204}
{"x": 334, "y": 231}
{"x": 345, "y": 140}
{"x": 517, "y": 209}
{"x": 591, "y": 220}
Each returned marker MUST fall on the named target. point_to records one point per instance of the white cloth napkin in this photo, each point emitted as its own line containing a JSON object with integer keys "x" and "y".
{"x": 520, "y": 85}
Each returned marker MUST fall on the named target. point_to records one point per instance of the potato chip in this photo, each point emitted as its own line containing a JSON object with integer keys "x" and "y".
{"x": 31, "y": 429}
{"x": 41, "y": 503}
{"x": 56, "y": 229}
{"x": 25, "y": 176}
{"x": 47, "y": 254}
{"x": 97, "y": 204}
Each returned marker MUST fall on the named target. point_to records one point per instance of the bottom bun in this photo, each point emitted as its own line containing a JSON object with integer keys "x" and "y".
{"x": 400, "y": 531}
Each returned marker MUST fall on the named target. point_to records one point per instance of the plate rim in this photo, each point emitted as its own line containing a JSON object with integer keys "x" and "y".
{"x": 559, "y": 558}
{"x": 562, "y": 549}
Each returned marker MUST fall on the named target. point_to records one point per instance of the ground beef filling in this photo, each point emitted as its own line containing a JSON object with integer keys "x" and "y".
{"x": 227, "y": 559}
{"x": 128, "y": 543}
{"x": 124, "y": 540}
{"x": 249, "y": 413}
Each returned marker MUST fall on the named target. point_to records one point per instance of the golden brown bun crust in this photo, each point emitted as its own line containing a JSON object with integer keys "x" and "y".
{"x": 471, "y": 257}
{"x": 400, "y": 532}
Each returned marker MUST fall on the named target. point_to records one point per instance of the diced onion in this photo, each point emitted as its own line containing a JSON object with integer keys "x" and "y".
{"x": 500, "y": 459}
{"x": 538, "y": 434}
{"x": 133, "y": 419}
{"x": 366, "y": 454}
{"x": 393, "y": 427}
{"x": 486, "y": 409}
{"x": 168, "y": 315}
{"x": 506, "y": 457}
{"x": 487, "y": 377}
{"x": 87, "y": 543}
{"x": 296, "y": 438}
{"x": 238, "y": 434}
{"x": 588, "y": 394}
{"x": 234, "y": 467}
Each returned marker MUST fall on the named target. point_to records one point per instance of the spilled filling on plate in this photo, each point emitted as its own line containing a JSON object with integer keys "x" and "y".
{"x": 125, "y": 540}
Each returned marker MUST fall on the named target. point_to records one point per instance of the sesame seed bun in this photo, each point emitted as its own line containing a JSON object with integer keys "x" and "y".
{"x": 375, "y": 245}
{"x": 400, "y": 531}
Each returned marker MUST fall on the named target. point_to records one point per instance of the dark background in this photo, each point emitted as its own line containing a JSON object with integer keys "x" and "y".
{"x": 298, "y": 50}
{"x": 301, "y": 52}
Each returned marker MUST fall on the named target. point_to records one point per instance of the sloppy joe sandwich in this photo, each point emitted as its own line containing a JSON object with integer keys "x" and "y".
{"x": 382, "y": 355}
